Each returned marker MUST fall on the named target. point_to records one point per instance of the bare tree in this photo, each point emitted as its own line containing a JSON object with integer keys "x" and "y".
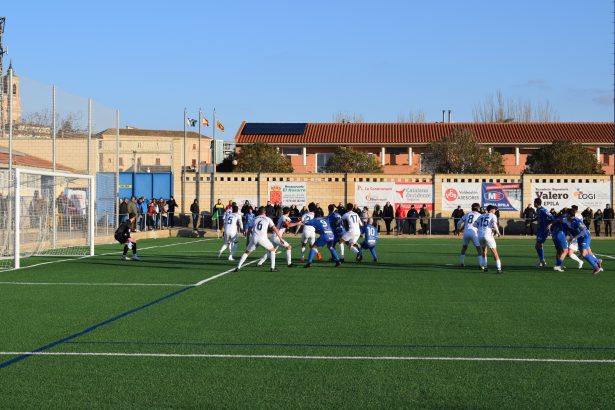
{"x": 418, "y": 116}
{"x": 497, "y": 108}
{"x": 343, "y": 117}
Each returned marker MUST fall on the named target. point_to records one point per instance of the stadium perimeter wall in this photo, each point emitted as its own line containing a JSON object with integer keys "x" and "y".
{"x": 335, "y": 188}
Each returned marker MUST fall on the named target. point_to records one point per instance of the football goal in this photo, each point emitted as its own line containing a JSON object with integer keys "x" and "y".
{"x": 45, "y": 213}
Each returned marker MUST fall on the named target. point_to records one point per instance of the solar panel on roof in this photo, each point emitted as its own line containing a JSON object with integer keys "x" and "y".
{"x": 274, "y": 128}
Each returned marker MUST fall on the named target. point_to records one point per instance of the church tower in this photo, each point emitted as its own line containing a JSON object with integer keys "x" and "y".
{"x": 16, "y": 97}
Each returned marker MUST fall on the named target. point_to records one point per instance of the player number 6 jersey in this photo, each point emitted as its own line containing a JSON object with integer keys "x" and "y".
{"x": 260, "y": 227}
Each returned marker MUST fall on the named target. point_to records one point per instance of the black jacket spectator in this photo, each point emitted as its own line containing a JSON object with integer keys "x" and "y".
{"x": 529, "y": 214}
{"x": 607, "y": 216}
{"x": 388, "y": 213}
{"x": 457, "y": 215}
{"x": 412, "y": 216}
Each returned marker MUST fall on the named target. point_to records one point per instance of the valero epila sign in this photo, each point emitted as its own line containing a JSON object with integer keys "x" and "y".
{"x": 584, "y": 195}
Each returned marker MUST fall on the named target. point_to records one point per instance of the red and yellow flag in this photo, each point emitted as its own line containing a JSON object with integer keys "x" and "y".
{"x": 204, "y": 121}
{"x": 220, "y": 126}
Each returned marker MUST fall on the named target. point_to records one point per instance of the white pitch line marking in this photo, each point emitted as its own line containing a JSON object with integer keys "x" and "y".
{"x": 605, "y": 256}
{"x": 95, "y": 284}
{"x": 338, "y": 358}
{"x": 227, "y": 272}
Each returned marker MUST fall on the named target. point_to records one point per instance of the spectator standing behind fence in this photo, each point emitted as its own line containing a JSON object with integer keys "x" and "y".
{"x": 151, "y": 215}
{"x": 598, "y": 217}
{"x": 529, "y": 214}
{"x": 387, "y": 215}
{"x": 457, "y": 215}
{"x": 607, "y": 216}
{"x": 277, "y": 212}
{"x": 219, "y": 213}
{"x": 163, "y": 208}
{"x": 412, "y": 216}
{"x": 399, "y": 220}
{"x": 269, "y": 210}
{"x": 171, "y": 205}
{"x": 132, "y": 209}
{"x": 142, "y": 212}
{"x": 62, "y": 205}
{"x": 377, "y": 217}
{"x": 195, "y": 210}
{"x": 587, "y": 215}
{"x": 123, "y": 210}
{"x": 424, "y": 215}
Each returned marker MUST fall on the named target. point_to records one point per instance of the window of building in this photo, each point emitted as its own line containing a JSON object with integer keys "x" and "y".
{"x": 14, "y": 89}
{"x": 396, "y": 150}
{"x": 504, "y": 150}
{"x": 193, "y": 146}
{"x": 321, "y": 161}
{"x": 291, "y": 151}
{"x": 121, "y": 162}
{"x": 157, "y": 161}
{"x": 194, "y": 163}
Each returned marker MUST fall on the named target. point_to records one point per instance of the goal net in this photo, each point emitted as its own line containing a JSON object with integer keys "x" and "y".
{"x": 46, "y": 214}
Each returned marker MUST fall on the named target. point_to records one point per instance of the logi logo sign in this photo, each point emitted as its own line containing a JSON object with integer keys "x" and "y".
{"x": 558, "y": 195}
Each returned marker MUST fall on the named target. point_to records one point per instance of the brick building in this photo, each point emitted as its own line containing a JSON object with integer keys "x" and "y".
{"x": 401, "y": 147}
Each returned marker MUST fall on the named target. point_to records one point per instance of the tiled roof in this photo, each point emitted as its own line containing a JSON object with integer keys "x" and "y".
{"x": 137, "y": 132}
{"x": 425, "y": 133}
{"x": 30, "y": 161}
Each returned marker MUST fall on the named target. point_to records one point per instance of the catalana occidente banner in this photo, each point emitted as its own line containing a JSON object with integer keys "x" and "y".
{"x": 288, "y": 193}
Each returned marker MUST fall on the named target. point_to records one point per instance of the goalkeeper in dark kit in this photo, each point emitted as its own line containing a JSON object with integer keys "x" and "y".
{"x": 122, "y": 235}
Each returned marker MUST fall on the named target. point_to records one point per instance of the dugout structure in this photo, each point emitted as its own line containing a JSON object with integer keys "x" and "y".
{"x": 45, "y": 213}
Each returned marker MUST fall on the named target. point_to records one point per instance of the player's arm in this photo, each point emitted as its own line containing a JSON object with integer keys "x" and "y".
{"x": 275, "y": 230}
{"x": 494, "y": 227}
{"x": 461, "y": 222}
{"x": 240, "y": 224}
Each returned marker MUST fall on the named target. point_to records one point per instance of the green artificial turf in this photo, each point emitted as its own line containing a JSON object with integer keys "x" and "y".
{"x": 415, "y": 303}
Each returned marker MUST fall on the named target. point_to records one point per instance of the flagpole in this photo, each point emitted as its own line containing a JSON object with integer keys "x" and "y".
{"x": 183, "y": 173}
{"x": 198, "y": 165}
{"x": 213, "y": 161}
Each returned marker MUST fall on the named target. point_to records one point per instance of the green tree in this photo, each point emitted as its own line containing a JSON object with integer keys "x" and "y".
{"x": 563, "y": 157}
{"x": 459, "y": 153}
{"x": 345, "y": 159}
{"x": 259, "y": 157}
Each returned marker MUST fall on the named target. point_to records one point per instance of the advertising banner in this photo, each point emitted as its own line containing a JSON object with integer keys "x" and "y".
{"x": 462, "y": 194}
{"x": 288, "y": 193}
{"x": 413, "y": 193}
{"x": 507, "y": 197}
{"x": 559, "y": 195}
{"x": 370, "y": 194}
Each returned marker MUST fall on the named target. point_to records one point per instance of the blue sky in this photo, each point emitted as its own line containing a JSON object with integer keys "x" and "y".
{"x": 288, "y": 61}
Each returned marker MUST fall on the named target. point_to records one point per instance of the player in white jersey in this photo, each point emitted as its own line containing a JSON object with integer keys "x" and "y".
{"x": 470, "y": 233}
{"x": 487, "y": 225}
{"x": 233, "y": 225}
{"x": 573, "y": 246}
{"x": 259, "y": 230}
{"x": 352, "y": 235}
{"x": 284, "y": 222}
{"x": 309, "y": 232}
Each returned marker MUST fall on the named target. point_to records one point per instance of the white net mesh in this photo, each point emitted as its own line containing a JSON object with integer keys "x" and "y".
{"x": 54, "y": 217}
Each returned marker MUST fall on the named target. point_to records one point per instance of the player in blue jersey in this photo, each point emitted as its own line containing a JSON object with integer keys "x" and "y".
{"x": 326, "y": 237}
{"x": 248, "y": 223}
{"x": 559, "y": 234}
{"x": 544, "y": 219}
{"x": 370, "y": 234}
{"x": 337, "y": 225}
{"x": 579, "y": 231}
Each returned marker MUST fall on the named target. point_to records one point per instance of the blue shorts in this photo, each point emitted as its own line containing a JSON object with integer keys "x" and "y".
{"x": 560, "y": 242}
{"x": 584, "y": 242}
{"x": 368, "y": 245}
{"x": 541, "y": 237}
{"x": 325, "y": 240}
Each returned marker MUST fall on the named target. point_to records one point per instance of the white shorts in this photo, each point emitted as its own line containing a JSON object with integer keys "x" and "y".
{"x": 351, "y": 237}
{"x": 277, "y": 242}
{"x": 230, "y": 237}
{"x": 308, "y": 237}
{"x": 470, "y": 236}
{"x": 573, "y": 245}
{"x": 487, "y": 242}
{"x": 264, "y": 242}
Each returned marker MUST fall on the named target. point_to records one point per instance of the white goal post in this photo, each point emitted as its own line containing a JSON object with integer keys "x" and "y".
{"x": 53, "y": 214}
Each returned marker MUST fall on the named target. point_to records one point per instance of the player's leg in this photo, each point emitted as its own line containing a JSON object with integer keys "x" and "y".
{"x": 225, "y": 245}
{"x": 540, "y": 250}
{"x": 334, "y": 256}
{"x": 289, "y": 255}
{"x": 312, "y": 241}
{"x": 251, "y": 247}
{"x": 498, "y": 262}
{"x": 342, "y": 247}
{"x": 125, "y": 251}
{"x": 264, "y": 258}
{"x": 464, "y": 248}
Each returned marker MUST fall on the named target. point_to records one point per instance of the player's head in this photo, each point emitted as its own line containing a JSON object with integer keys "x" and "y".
{"x": 575, "y": 207}
{"x": 311, "y": 207}
{"x": 261, "y": 210}
{"x": 571, "y": 213}
{"x": 491, "y": 208}
{"x": 234, "y": 203}
{"x": 475, "y": 207}
{"x": 235, "y": 208}
{"x": 537, "y": 202}
{"x": 349, "y": 206}
{"x": 331, "y": 208}
{"x": 285, "y": 210}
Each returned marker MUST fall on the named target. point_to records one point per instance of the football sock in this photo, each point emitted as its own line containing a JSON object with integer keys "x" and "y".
{"x": 334, "y": 255}
{"x": 558, "y": 261}
{"x": 354, "y": 249}
{"x": 574, "y": 257}
{"x": 289, "y": 257}
{"x": 302, "y": 252}
{"x": 242, "y": 260}
{"x": 592, "y": 260}
{"x": 222, "y": 249}
{"x": 485, "y": 260}
{"x": 463, "y": 259}
{"x": 233, "y": 248}
{"x": 373, "y": 252}
{"x": 342, "y": 250}
{"x": 498, "y": 263}
{"x": 311, "y": 256}
{"x": 272, "y": 256}
{"x": 125, "y": 249}
{"x": 263, "y": 259}
{"x": 134, "y": 248}
{"x": 541, "y": 254}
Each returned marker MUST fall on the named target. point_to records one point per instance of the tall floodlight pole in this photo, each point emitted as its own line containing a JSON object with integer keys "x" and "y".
{"x": 183, "y": 173}
{"x": 10, "y": 120}
{"x": 198, "y": 164}
{"x": 2, "y": 20}
{"x": 213, "y": 162}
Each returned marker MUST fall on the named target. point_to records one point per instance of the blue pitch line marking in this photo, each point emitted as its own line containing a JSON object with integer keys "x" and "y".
{"x": 392, "y": 346}
{"x": 91, "y": 328}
